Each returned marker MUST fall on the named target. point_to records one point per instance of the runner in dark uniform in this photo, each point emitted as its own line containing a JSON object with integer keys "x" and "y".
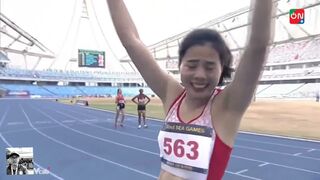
{"x": 141, "y": 100}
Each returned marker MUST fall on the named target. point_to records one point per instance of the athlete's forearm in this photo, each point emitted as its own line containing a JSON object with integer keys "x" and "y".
{"x": 261, "y": 29}
{"x": 246, "y": 77}
{"x": 122, "y": 21}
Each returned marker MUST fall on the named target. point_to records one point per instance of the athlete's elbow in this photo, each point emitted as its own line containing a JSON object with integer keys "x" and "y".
{"x": 128, "y": 40}
{"x": 256, "y": 50}
{"x": 259, "y": 42}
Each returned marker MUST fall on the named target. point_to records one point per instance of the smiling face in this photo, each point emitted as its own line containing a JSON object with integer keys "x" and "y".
{"x": 218, "y": 49}
{"x": 200, "y": 70}
{"x": 14, "y": 161}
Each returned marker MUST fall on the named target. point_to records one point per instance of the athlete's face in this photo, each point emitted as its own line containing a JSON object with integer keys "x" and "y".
{"x": 13, "y": 161}
{"x": 200, "y": 70}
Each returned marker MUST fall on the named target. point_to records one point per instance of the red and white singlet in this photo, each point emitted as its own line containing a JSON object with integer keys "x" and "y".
{"x": 186, "y": 148}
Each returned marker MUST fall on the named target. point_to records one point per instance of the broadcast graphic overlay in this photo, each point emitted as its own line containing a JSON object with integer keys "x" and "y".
{"x": 19, "y": 161}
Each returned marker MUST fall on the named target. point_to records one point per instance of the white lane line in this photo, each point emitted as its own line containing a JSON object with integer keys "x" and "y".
{"x": 112, "y": 130}
{"x": 271, "y": 143}
{"x": 4, "y": 115}
{"x": 38, "y": 165}
{"x": 91, "y": 120}
{"x": 95, "y": 137}
{"x": 263, "y": 164}
{"x": 14, "y": 123}
{"x": 73, "y": 121}
{"x": 28, "y": 129}
{"x": 297, "y": 154}
{"x": 275, "y": 164}
{"x": 68, "y": 121}
{"x": 111, "y": 121}
{"x": 279, "y": 136}
{"x": 42, "y": 122}
{"x": 248, "y": 177}
{"x": 310, "y": 150}
{"x": 242, "y": 171}
{"x": 131, "y": 115}
{"x": 85, "y": 152}
{"x": 275, "y": 152}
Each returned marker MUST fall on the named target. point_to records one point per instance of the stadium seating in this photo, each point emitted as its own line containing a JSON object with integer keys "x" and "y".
{"x": 312, "y": 51}
{"x": 284, "y": 53}
{"x": 278, "y": 90}
{"x": 307, "y": 91}
{"x": 300, "y": 51}
{"x": 33, "y": 89}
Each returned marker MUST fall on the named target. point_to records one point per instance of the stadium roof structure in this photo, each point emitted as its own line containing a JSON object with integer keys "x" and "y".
{"x": 233, "y": 27}
{"x": 15, "y": 40}
{"x": 3, "y": 58}
{"x": 83, "y": 31}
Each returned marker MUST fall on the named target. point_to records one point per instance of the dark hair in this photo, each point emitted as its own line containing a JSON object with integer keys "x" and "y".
{"x": 119, "y": 89}
{"x": 13, "y": 154}
{"x": 203, "y": 36}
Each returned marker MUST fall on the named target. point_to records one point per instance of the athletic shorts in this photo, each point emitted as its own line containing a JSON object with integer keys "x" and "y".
{"x": 141, "y": 107}
{"x": 120, "y": 106}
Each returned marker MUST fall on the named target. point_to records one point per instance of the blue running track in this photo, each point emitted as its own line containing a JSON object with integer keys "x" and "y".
{"x": 77, "y": 143}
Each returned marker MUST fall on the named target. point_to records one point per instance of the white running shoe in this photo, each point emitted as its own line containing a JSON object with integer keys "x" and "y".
{"x": 145, "y": 126}
{"x": 139, "y": 126}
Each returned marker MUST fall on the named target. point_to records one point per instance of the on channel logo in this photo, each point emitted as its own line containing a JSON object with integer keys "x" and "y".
{"x": 296, "y": 16}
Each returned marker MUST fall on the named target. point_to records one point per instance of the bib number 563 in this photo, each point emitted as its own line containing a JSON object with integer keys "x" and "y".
{"x": 178, "y": 148}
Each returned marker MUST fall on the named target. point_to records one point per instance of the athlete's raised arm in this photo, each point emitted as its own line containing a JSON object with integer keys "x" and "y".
{"x": 157, "y": 79}
{"x": 238, "y": 94}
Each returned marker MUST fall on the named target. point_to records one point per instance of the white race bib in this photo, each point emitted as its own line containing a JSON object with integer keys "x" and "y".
{"x": 186, "y": 146}
{"x": 121, "y": 101}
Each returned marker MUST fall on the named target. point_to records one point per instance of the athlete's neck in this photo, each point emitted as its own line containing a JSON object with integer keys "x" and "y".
{"x": 194, "y": 103}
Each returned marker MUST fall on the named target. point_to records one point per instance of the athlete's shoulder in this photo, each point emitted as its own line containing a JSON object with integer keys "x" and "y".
{"x": 218, "y": 90}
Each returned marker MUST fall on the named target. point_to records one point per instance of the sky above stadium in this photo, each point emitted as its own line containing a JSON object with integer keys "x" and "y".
{"x": 49, "y": 21}
{"x": 59, "y": 26}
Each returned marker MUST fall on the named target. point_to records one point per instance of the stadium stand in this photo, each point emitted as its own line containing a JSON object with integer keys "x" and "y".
{"x": 292, "y": 69}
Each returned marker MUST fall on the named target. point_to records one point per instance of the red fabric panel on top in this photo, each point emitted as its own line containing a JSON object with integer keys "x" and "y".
{"x": 219, "y": 159}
